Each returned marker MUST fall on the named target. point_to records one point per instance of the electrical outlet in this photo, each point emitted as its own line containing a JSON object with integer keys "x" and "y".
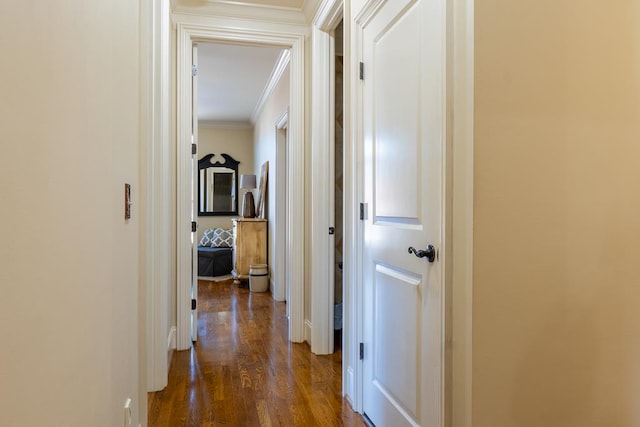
{"x": 128, "y": 412}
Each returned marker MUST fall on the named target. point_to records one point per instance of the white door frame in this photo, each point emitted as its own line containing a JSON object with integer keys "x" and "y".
{"x": 156, "y": 267}
{"x": 187, "y": 34}
{"x": 458, "y": 215}
{"x": 279, "y": 289}
{"x": 325, "y": 21}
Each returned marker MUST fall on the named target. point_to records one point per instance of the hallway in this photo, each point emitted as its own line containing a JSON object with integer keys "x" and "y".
{"x": 243, "y": 372}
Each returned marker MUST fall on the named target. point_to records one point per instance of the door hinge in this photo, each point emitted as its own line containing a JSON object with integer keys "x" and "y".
{"x": 194, "y": 226}
{"x": 193, "y": 304}
{"x": 332, "y": 230}
{"x": 361, "y": 351}
{"x": 363, "y": 211}
{"x": 194, "y": 148}
{"x": 361, "y": 70}
{"x": 194, "y": 70}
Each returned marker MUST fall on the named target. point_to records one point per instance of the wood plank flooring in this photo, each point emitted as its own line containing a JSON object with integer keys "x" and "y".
{"x": 244, "y": 372}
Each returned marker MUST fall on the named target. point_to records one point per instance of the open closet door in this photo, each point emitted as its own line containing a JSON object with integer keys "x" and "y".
{"x": 194, "y": 195}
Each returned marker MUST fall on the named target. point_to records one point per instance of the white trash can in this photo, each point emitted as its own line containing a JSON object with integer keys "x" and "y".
{"x": 259, "y": 277}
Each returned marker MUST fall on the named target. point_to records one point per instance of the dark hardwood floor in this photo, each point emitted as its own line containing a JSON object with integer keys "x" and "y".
{"x": 244, "y": 372}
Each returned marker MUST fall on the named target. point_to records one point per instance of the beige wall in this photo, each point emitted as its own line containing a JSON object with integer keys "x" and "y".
{"x": 557, "y": 214}
{"x": 265, "y": 150}
{"x": 236, "y": 142}
{"x": 69, "y": 115}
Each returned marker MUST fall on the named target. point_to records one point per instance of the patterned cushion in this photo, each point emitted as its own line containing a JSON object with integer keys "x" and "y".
{"x": 222, "y": 238}
{"x": 207, "y": 237}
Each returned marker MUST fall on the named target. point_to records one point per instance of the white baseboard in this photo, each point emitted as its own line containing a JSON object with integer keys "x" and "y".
{"x": 171, "y": 346}
{"x": 171, "y": 340}
{"x": 307, "y": 331}
{"x": 349, "y": 385}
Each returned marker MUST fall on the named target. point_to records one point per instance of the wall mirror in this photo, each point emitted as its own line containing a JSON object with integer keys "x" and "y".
{"x": 217, "y": 186}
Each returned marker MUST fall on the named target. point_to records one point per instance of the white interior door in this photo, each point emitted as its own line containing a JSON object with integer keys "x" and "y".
{"x": 403, "y": 107}
{"x": 194, "y": 196}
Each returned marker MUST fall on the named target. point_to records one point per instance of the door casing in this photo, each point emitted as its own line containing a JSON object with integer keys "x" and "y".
{"x": 326, "y": 20}
{"x": 189, "y": 33}
{"x": 279, "y": 288}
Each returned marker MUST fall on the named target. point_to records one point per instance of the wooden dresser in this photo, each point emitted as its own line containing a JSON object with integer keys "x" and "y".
{"x": 249, "y": 245}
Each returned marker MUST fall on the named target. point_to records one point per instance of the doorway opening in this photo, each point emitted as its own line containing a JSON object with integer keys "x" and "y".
{"x": 241, "y": 92}
{"x": 187, "y": 109}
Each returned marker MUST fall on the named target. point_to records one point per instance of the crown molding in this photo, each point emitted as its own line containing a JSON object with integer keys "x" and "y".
{"x": 276, "y": 74}
{"x": 328, "y": 15}
{"x": 240, "y": 10}
{"x": 256, "y": 3}
{"x": 224, "y": 124}
{"x": 203, "y": 4}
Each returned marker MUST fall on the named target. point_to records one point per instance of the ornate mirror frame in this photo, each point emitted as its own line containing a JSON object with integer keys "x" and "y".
{"x": 206, "y": 197}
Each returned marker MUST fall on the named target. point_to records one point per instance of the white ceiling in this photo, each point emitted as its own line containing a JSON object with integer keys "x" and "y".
{"x": 231, "y": 80}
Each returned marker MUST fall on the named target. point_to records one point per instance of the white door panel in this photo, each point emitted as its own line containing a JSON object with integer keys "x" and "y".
{"x": 403, "y": 117}
{"x": 396, "y": 350}
{"x": 395, "y": 121}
